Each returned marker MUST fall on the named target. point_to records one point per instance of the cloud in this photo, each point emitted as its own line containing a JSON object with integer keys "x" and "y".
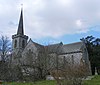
{"x": 50, "y": 18}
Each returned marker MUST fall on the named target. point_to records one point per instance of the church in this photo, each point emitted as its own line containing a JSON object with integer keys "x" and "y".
{"x": 27, "y": 53}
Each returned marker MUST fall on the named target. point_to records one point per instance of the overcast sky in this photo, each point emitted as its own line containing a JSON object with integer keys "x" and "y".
{"x": 52, "y": 21}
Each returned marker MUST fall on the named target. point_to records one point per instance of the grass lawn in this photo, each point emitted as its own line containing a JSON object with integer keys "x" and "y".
{"x": 45, "y": 82}
{"x": 94, "y": 81}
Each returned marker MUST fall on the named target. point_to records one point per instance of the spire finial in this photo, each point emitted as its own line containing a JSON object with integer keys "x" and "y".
{"x": 21, "y": 6}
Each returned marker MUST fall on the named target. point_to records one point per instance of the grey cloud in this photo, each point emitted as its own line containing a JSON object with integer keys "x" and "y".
{"x": 48, "y": 18}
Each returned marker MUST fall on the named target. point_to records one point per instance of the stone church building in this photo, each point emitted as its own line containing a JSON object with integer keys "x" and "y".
{"x": 28, "y": 53}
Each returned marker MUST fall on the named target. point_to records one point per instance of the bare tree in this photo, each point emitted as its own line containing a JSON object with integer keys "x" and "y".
{"x": 29, "y": 66}
{"x": 69, "y": 73}
{"x": 39, "y": 64}
{"x": 5, "y": 47}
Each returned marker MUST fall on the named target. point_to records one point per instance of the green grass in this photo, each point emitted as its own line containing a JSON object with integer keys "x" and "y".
{"x": 94, "y": 81}
{"x": 45, "y": 82}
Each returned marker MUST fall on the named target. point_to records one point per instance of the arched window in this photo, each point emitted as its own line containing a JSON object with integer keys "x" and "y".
{"x": 72, "y": 59}
{"x": 15, "y": 45}
{"x": 23, "y": 44}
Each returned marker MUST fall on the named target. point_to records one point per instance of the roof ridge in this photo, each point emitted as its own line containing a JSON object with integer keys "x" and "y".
{"x": 54, "y": 44}
{"x": 74, "y": 43}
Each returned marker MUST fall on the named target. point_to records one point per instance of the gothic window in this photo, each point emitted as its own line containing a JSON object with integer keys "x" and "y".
{"x": 72, "y": 59}
{"x": 15, "y": 45}
{"x": 23, "y": 44}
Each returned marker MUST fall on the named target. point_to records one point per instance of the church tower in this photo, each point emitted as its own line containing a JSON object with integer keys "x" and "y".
{"x": 19, "y": 40}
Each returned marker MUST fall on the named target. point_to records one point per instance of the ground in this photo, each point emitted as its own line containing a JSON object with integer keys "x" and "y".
{"x": 94, "y": 81}
{"x": 44, "y": 82}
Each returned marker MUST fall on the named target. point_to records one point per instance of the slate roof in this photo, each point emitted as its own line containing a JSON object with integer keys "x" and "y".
{"x": 73, "y": 47}
{"x": 54, "y": 47}
{"x": 60, "y": 47}
{"x": 39, "y": 46}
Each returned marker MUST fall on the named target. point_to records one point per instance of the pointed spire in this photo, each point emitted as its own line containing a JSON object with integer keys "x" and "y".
{"x": 20, "y": 26}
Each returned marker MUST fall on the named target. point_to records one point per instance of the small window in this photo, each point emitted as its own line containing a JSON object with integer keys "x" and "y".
{"x": 15, "y": 45}
{"x": 23, "y": 44}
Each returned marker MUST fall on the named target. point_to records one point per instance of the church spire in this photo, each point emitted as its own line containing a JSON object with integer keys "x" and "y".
{"x": 20, "y": 26}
